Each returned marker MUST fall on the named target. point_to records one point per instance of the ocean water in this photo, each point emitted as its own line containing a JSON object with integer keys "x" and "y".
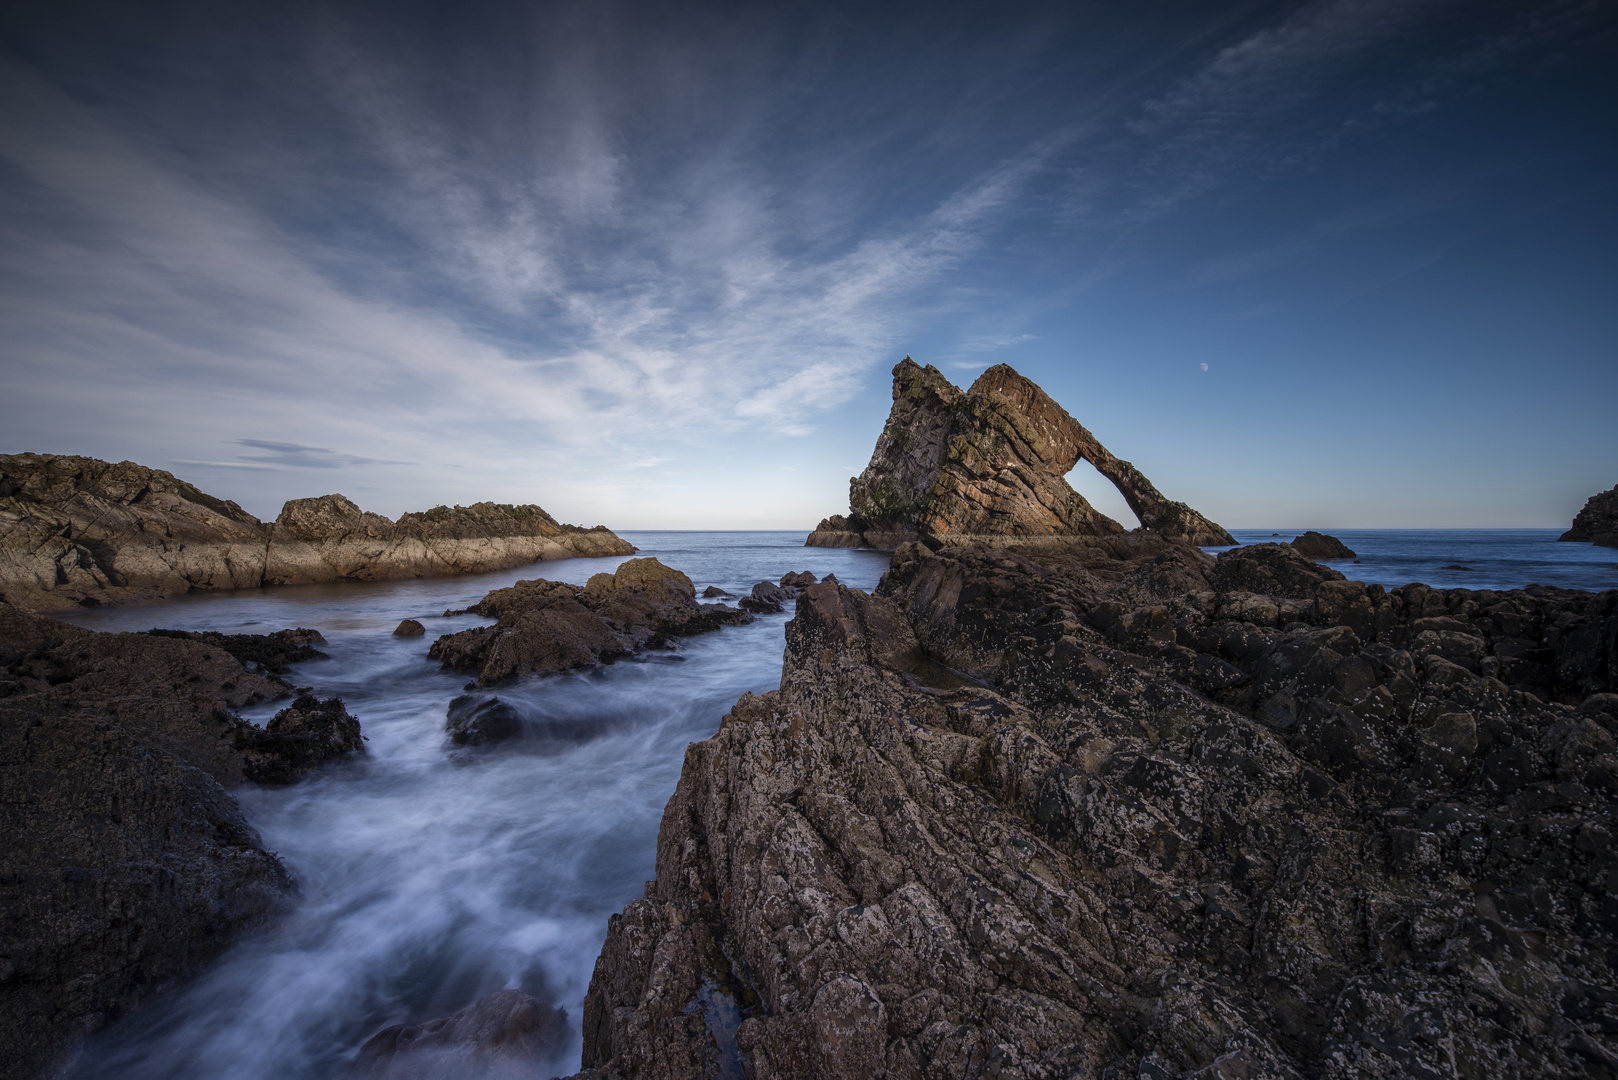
{"x": 430, "y": 876}
{"x": 1463, "y": 558}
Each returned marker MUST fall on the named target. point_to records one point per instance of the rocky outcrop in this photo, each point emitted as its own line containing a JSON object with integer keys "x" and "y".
{"x": 550, "y": 626}
{"x": 989, "y": 465}
{"x": 507, "y": 1034}
{"x": 1597, "y": 523}
{"x": 75, "y": 530}
{"x": 1127, "y": 810}
{"x": 1315, "y": 545}
{"x": 126, "y": 864}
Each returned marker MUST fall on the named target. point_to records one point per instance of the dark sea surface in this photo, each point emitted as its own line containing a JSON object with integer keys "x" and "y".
{"x": 431, "y": 876}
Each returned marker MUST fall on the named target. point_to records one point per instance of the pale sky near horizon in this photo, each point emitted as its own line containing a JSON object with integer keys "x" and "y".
{"x": 1343, "y": 263}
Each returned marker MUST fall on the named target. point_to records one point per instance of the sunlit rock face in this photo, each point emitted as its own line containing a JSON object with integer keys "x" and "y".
{"x": 1123, "y": 809}
{"x": 76, "y": 530}
{"x": 990, "y": 463}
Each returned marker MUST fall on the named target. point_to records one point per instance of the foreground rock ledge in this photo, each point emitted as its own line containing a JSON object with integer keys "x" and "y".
{"x": 1135, "y": 813}
{"x": 125, "y": 863}
{"x": 75, "y": 530}
{"x": 990, "y": 464}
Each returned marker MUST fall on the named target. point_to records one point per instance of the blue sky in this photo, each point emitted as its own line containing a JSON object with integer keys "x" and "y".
{"x": 1330, "y": 264}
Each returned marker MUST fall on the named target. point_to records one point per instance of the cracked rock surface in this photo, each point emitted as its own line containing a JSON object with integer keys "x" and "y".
{"x": 1127, "y": 810}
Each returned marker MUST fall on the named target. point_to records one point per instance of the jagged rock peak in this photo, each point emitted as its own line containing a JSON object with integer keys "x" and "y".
{"x": 990, "y": 462}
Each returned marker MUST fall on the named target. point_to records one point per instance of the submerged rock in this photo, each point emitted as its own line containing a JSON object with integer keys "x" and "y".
{"x": 988, "y": 464}
{"x": 79, "y": 531}
{"x": 1597, "y": 522}
{"x": 1316, "y": 545}
{"x": 551, "y": 626}
{"x": 507, "y": 1034}
{"x": 474, "y": 721}
{"x": 1127, "y": 810}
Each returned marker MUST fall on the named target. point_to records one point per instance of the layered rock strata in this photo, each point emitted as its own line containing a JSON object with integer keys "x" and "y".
{"x": 1125, "y": 810}
{"x": 989, "y": 464}
{"x": 550, "y": 626}
{"x": 1597, "y": 522}
{"x": 126, "y": 864}
{"x": 75, "y": 530}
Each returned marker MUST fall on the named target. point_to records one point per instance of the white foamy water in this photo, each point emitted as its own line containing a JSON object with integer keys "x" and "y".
{"x": 430, "y": 876}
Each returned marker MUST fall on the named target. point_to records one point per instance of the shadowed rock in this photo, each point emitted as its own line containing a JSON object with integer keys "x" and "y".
{"x": 409, "y": 628}
{"x": 474, "y": 721}
{"x": 125, "y": 863}
{"x": 75, "y": 530}
{"x": 990, "y": 464}
{"x": 508, "y": 1034}
{"x": 1316, "y": 545}
{"x": 1597, "y": 522}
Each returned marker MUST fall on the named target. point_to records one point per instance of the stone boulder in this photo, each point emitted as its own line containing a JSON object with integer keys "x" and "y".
{"x": 1597, "y": 522}
{"x": 1314, "y": 545}
{"x": 475, "y": 721}
{"x": 299, "y": 739}
{"x": 508, "y": 1034}
{"x": 550, "y": 626}
{"x": 989, "y": 464}
{"x": 409, "y": 628}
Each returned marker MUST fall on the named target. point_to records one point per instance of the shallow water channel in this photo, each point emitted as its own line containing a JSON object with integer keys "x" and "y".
{"x": 430, "y": 876}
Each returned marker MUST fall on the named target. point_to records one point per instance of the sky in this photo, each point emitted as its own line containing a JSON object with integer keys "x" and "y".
{"x": 1342, "y": 263}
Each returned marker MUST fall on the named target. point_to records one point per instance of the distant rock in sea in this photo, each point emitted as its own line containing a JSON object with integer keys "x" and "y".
{"x": 79, "y": 531}
{"x": 1597, "y": 523}
{"x": 989, "y": 464}
{"x": 1314, "y": 545}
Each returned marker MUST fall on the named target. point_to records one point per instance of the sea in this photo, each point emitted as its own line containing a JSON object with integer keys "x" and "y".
{"x": 430, "y": 876}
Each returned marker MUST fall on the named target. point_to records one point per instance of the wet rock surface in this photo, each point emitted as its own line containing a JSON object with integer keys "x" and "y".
{"x": 551, "y": 626}
{"x": 1127, "y": 810}
{"x": 475, "y": 721}
{"x": 409, "y": 628}
{"x": 508, "y": 1034}
{"x": 1597, "y": 521}
{"x": 76, "y": 530}
{"x": 989, "y": 463}
{"x": 273, "y": 652}
{"x": 126, "y": 863}
{"x": 1315, "y": 545}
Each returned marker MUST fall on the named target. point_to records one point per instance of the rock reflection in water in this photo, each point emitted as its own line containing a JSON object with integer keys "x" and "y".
{"x": 434, "y": 875}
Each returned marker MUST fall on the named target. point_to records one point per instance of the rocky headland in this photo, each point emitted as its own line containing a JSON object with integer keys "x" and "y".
{"x": 76, "y": 530}
{"x": 126, "y": 863}
{"x": 1129, "y": 810}
{"x": 988, "y": 464}
{"x": 1597, "y": 522}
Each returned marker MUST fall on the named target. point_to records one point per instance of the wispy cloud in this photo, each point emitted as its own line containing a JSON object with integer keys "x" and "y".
{"x": 296, "y": 456}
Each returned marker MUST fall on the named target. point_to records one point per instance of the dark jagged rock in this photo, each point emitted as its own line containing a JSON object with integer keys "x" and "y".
{"x": 274, "y": 652}
{"x": 504, "y": 1035}
{"x": 1125, "y": 810}
{"x": 713, "y": 592}
{"x": 1597, "y": 522}
{"x": 409, "y": 628}
{"x": 798, "y": 580}
{"x": 550, "y": 626}
{"x": 1316, "y": 545}
{"x": 989, "y": 465}
{"x": 475, "y": 721}
{"x": 75, "y": 530}
{"x": 299, "y": 739}
{"x": 125, "y": 863}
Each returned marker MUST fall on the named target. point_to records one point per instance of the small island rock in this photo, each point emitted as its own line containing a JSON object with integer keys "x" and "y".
{"x": 409, "y": 628}
{"x": 1597, "y": 523}
{"x": 1315, "y": 545}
